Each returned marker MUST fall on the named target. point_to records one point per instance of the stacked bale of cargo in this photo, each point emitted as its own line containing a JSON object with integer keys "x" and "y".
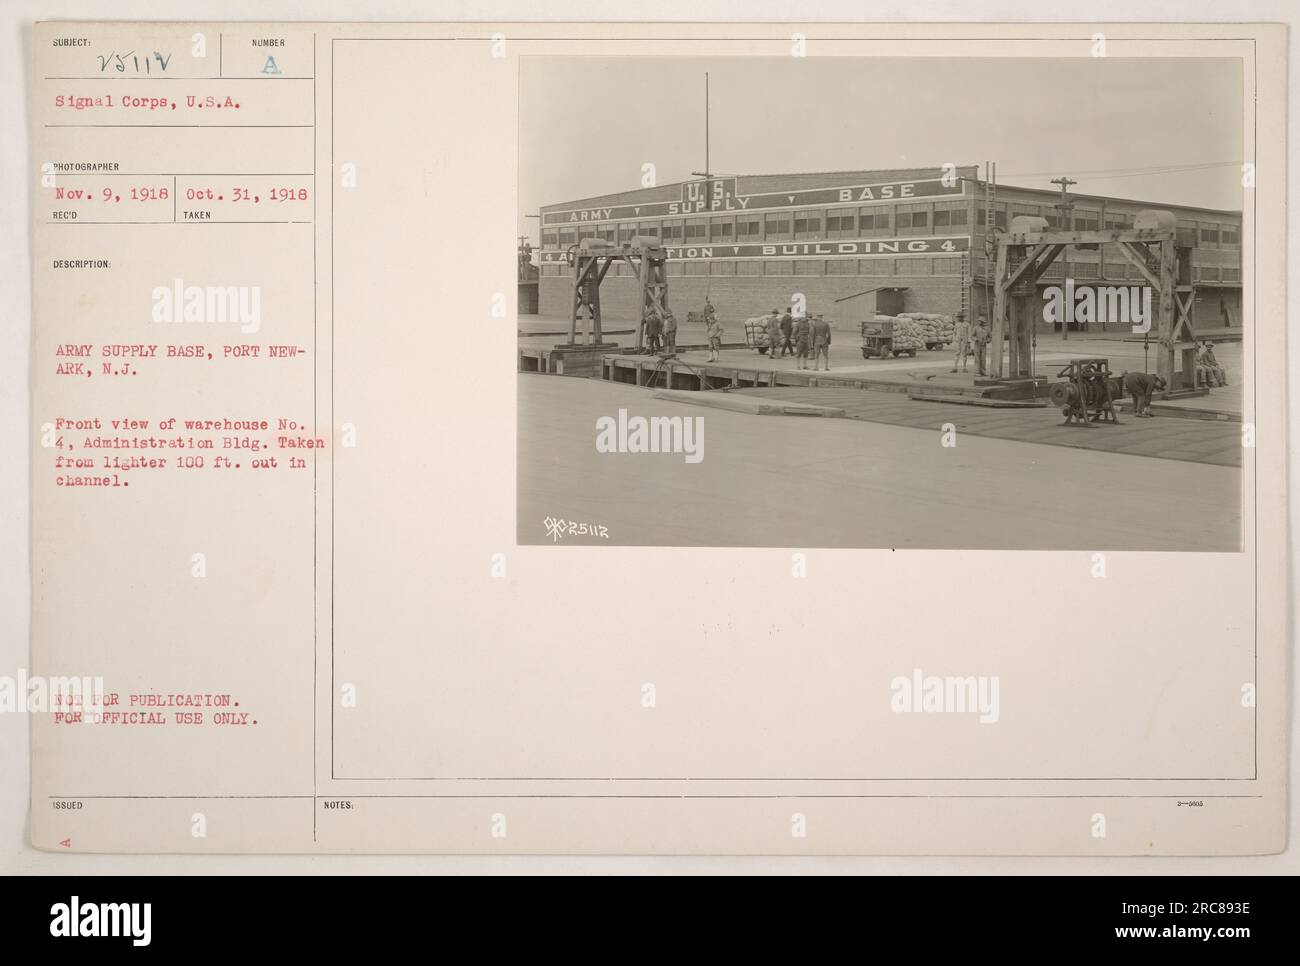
{"x": 908, "y": 334}
{"x": 929, "y": 327}
{"x": 756, "y": 331}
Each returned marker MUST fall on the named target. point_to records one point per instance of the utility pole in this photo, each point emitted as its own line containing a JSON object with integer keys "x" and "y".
{"x": 1065, "y": 222}
{"x": 708, "y": 170}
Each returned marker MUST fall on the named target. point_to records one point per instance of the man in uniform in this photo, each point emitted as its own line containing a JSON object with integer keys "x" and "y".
{"x": 982, "y": 335}
{"x": 1208, "y": 368}
{"x": 670, "y": 332}
{"x": 1142, "y": 386}
{"x": 821, "y": 340}
{"x": 652, "y": 327}
{"x": 714, "y": 332}
{"x": 774, "y": 336}
{"x": 802, "y": 332}
{"x": 961, "y": 334}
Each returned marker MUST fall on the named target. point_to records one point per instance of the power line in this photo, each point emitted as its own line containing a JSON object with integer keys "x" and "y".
{"x": 1104, "y": 173}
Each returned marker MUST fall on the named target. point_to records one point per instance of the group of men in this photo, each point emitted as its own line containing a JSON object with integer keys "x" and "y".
{"x": 971, "y": 340}
{"x": 661, "y": 331}
{"x": 802, "y": 337}
{"x": 799, "y": 337}
{"x": 1208, "y": 371}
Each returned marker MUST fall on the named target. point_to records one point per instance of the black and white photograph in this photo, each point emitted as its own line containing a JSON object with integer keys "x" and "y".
{"x": 938, "y": 303}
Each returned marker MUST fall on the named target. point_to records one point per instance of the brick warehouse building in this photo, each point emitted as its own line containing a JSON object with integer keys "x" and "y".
{"x": 751, "y": 241}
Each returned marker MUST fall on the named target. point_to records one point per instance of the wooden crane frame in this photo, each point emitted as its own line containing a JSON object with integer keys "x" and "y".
{"x": 1024, "y": 254}
{"x": 648, "y": 264}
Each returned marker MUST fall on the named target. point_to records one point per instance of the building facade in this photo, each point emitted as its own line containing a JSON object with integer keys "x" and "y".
{"x": 752, "y": 243}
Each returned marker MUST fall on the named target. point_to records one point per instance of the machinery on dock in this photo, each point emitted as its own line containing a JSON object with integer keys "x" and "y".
{"x": 1087, "y": 392}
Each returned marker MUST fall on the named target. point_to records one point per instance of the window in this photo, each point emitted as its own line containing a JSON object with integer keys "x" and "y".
{"x": 1231, "y": 235}
{"x": 695, "y": 228}
{"x": 947, "y": 216}
{"x": 807, "y": 224}
{"x": 913, "y": 266}
{"x": 606, "y": 233}
{"x": 813, "y": 266}
{"x": 1114, "y": 270}
{"x": 550, "y": 239}
{"x": 650, "y": 229}
{"x": 697, "y": 268}
{"x": 1210, "y": 235}
{"x": 874, "y": 219}
{"x": 775, "y": 267}
{"x": 672, "y": 232}
{"x": 1232, "y": 275}
{"x": 841, "y": 266}
{"x": 1118, "y": 220}
{"x": 748, "y": 227}
{"x": 720, "y": 229}
{"x": 1210, "y": 273}
{"x": 841, "y": 223}
{"x": 723, "y": 268}
{"x": 568, "y": 236}
{"x": 913, "y": 217}
{"x": 1085, "y": 269}
{"x": 1086, "y": 220}
{"x": 674, "y": 268}
{"x": 626, "y": 232}
{"x": 947, "y": 266}
{"x": 875, "y": 266}
{"x": 776, "y": 226}
{"x": 585, "y": 232}
{"x": 749, "y": 268}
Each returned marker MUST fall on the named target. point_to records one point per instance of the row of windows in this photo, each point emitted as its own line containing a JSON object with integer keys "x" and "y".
{"x": 908, "y": 266}
{"x": 1117, "y": 271}
{"x": 813, "y": 224}
{"x": 1190, "y": 233}
{"x": 903, "y": 219}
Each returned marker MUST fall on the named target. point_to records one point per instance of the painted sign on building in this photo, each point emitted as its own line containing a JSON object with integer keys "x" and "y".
{"x": 821, "y": 249}
{"x": 720, "y": 195}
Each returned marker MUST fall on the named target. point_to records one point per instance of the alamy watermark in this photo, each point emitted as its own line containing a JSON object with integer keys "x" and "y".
{"x": 220, "y": 304}
{"x": 651, "y": 434}
{"x": 68, "y": 698}
{"x": 1085, "y": 305}
{"x": 921, "y": 693}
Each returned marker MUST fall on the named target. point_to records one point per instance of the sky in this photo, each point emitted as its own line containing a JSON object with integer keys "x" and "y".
{"x": 1115, "y": 125}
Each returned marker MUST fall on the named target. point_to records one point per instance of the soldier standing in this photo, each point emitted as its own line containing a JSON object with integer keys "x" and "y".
{"x": 774, "y": 336}
{"x": 652, "y": 327}
{"x": 787, "y": 327}
{"x": 821, "y": 340}
{"x": 670, "y": 332}
{"x": 714, "y": 331}
{"x": 802, "y": 338}
{"x": 983, "y": 336}
{"x": 961, "y": 336}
